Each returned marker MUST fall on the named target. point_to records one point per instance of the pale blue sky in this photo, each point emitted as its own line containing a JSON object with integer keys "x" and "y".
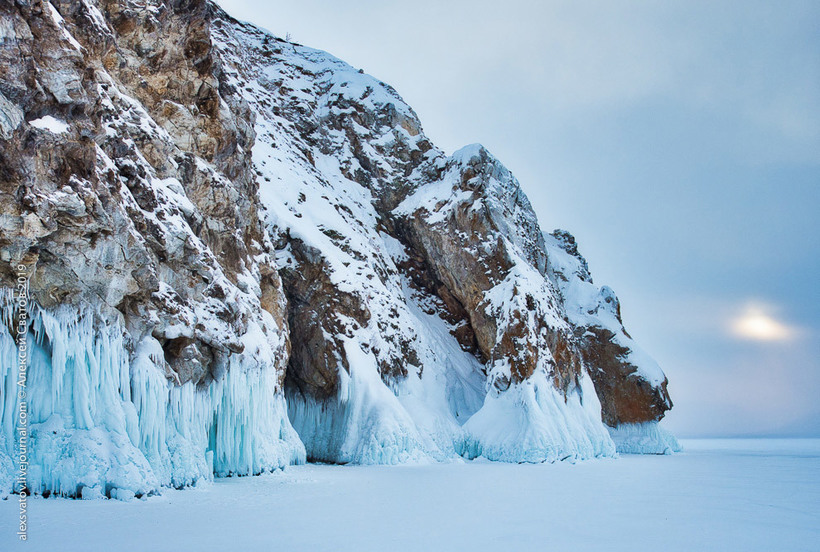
{"x": 679, "y": 141}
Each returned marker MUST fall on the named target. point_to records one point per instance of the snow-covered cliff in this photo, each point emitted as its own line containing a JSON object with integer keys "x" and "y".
{"x": 245, "y": 253}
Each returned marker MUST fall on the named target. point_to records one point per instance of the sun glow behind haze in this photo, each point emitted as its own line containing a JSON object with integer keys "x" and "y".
{"x": 757, "y": 323}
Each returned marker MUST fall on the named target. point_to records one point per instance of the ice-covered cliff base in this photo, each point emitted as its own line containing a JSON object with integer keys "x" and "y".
{"x": 534, "y": 423}
{"x": 644, "y": 438}
{"x": 104, "y": 420}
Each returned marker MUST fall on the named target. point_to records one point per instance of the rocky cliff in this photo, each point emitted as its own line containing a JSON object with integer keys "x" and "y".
{"x": 244, "y": 253}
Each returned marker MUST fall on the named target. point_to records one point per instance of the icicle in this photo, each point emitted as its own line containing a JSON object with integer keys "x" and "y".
{"x": 104, "y": 425}
{"x": 644, "y": 438}
{"x": 364, "y": 424}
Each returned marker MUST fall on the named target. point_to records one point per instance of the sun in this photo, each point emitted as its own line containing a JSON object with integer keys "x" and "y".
{"x": 756, "y": 324}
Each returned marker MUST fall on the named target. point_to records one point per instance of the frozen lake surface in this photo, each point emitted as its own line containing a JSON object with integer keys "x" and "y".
{"x": 716, "y": 495}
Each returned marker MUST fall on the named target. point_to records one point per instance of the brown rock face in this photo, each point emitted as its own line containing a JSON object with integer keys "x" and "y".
{"x": 479, "y": 243}
{"x": 316, "y": 306}
{"x": 630, "y": 386}
{"x": 147, "y": 204}
{"x": 423, "y": 278}
{"x": 625, "y": 396}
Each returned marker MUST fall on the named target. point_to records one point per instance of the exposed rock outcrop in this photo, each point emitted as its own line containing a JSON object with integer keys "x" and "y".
{"x": 129, "y": 193}
{"x": 630, "y": 385}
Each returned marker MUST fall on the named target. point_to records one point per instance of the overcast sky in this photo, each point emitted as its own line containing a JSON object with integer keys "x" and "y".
{"x": 678, "y": 140}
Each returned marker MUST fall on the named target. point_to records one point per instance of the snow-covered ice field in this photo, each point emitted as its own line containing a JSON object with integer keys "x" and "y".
{"x": 716, "y": 495}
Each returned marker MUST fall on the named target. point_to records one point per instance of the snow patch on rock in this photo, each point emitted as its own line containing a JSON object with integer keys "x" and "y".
{"x": 49, "y": 123}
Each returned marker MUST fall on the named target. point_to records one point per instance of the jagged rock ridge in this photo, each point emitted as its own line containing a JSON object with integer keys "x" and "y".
{"x": 223, "y": 226}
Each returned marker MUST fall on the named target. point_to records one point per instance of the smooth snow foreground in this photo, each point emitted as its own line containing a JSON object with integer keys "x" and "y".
{"x": 716, "y": 495}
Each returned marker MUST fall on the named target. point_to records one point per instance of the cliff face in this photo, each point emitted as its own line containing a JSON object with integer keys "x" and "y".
{"x": 128, "y": 191}
{"x": 230, "y": 236}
